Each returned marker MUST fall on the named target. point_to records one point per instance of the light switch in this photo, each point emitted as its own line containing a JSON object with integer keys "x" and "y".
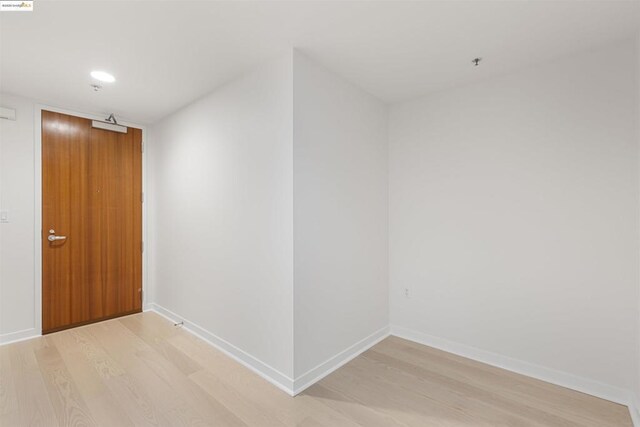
{"x": 4, "y": 216}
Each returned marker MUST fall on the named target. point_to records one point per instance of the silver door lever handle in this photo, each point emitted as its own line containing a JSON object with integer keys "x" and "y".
{"x": 53, "y": 238}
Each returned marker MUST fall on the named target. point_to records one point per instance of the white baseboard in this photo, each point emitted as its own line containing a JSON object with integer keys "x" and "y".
{"x": 314, "y": 375}
{"x": 634, "y": 410}
{"x": 302, "y": 382}
{"x": 280, "y": 380}
{"x": 563, "y": 379}
{"x": 12, "y": 337}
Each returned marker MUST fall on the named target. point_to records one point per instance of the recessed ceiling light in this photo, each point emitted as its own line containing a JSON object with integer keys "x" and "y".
{"x": 103, "y": 76}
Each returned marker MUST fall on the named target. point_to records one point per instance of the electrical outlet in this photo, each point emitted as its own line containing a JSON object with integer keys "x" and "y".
{"x": 406, "y": 292}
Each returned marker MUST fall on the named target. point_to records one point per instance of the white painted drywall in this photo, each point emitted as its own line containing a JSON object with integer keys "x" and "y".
{"x": 340, "y": 214}
{"x": 635, "y": 406}
{"x": 239, "y": 179}
{"x": 514, "y": 215}
{"x": 17, "y": 236}
{"x": 221, "y": 214}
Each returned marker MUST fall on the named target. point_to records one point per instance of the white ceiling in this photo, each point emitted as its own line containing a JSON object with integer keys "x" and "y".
{"x": 166, "y": 54}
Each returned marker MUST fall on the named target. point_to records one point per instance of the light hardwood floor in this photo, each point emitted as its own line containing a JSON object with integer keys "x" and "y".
{"x": 141, "y": 370}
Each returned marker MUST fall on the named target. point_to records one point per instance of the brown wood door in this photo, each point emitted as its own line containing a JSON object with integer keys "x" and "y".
{"x": 91, "y": 196}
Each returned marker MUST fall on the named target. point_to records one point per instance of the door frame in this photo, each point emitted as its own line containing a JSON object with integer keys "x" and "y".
{"x": 37, "y": 111}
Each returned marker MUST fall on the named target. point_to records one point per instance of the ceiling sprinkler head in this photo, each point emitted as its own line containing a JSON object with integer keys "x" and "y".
{"x": 95, "y": 87}
{"x": 476, "y": 61}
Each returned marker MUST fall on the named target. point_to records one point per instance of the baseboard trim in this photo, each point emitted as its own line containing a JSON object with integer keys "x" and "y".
{"x": 634, "y": 410}
{"x": 295, "y": 386}
{"x": 278, "y": 379}
{"x": 314, "y": 375}
{"x": 23, "y": 335}
{"x": 283, "y": 382}
{"x": 563, "y": 379}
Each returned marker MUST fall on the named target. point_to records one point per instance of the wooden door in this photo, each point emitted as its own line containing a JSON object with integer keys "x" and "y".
{"x": 92, "y": 204}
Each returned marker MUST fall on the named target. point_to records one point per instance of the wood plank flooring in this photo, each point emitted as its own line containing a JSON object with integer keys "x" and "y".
{"x": 141, "y": 370}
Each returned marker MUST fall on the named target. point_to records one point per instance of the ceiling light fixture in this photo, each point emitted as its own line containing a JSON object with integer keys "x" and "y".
{"x": 103, "y": 76}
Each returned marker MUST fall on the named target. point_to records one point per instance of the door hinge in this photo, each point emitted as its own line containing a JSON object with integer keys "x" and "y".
{"x": 142, "y": 147}
{"x": 140, "y": 291}
{"x": 141, "y": 246}
{"x": 142, "y": 197}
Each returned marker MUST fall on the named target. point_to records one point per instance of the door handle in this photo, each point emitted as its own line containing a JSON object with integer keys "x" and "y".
{"x": 52, "y": 237}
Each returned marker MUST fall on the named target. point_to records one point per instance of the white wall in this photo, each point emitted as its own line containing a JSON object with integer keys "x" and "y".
{"x": 17, "y": 315}
{"x": 340, "y": 215}
{"x": 238, "y": 180}
{"x": 514, "y": 215}
{"x": 221, "y": 214}
{"x": 636, "y": 397}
